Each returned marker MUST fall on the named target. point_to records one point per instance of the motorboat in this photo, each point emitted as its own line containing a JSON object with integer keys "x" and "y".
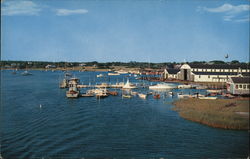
{"x": 157, "y": 96}
{"x": 100, "y": 75}
{"x": 26, "y": 73}
{"x": 213, "y": 98}
{"x": 113, "y": 74}
{"x": 185, "y": 86}
{"x": 143, "y": 96}
{"x": 126, "y": 96}
{"x": 101, "y": 93}
{"x": 163, "y": 86}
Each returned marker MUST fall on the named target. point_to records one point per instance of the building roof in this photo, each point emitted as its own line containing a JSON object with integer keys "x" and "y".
{"x": 220, "y": 66}
{"x": 173, "y": 70}
{"x": 240, "y": 79}
{"x": 221, "y": 73}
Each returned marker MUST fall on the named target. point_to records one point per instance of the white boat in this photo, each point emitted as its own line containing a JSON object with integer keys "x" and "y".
{"x": 113, "y": 74}
{"x": 100, "y": 75}
{"x": 129, "y": 85}
{"x": 143, "y": 96}
{"x": 214, "y": 90}
{"x": 185, "y": 86}
{"x": 64, "y": 83}
{"x": 213, "y": 98}
{"x": 73, "y": 91}
{"x": 121, "y": 72}
{"x": 126, "y": 96}
{"x": 26, "y": 73}
{"x": 101, "y": 93}
{"x": 163, "y": 86}
{"x": 183, "y": 95}
{"x": 134, "y": 93}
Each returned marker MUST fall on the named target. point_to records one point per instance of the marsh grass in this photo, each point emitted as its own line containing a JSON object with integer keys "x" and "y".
{"x": 219, "y": 113}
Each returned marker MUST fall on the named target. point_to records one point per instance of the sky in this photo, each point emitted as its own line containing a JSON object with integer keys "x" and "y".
{"x": 125, "y": 30}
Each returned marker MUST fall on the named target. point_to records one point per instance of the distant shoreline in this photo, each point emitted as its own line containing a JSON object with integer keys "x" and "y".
{"x": 220, "y": 113}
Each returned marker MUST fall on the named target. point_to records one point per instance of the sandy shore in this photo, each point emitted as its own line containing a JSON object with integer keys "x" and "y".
{"x": 219, "y": 113}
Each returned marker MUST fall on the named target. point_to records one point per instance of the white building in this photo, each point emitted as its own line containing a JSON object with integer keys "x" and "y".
{"x": 207, "y": 72}
{"x": 239, "y": 85}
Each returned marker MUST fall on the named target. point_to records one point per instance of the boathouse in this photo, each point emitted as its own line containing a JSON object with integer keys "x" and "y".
{"x": 207, "y": 72}
{"x": 239, "y": 85}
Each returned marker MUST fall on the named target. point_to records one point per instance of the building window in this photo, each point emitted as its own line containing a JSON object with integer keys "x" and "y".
{"x": 240, "y": 86}
{"x": 236, "y": 86}
{"x": 248, "y": 86}
{"x": 199, "y": 76}
{"x": 208, "y": 76}
{"x": 244, "y": 86}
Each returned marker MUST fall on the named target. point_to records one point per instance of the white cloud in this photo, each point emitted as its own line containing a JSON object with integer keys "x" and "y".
{"x": 65, "y": 12}
{"x": 229, "y": 8}
{"x": 20, "y": 8}
{"x": 236, "y": 13}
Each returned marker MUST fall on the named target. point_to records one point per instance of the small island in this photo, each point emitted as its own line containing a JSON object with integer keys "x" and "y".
{"x": 219, "y": 113}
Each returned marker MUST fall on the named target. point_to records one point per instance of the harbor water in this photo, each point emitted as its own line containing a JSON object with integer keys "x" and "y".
{"x": 38, "y": 121}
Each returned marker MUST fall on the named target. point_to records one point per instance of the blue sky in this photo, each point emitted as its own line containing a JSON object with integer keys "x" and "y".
{"x": 125, "y": 30}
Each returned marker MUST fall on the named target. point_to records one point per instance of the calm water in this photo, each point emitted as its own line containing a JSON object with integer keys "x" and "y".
{"x": 110, "y": 127}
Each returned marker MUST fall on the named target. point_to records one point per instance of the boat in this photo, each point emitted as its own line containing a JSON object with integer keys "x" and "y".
{"x": 218, "y": 91}
{"x": 113, "y": 74}
{"x": 100, "y": 75}
{"x": 212, "y": 98}
{"x": 26, "y": 73}
{"x": 67, "y": 74}
{"x": 128, "y": 85}
{"x": 185, "y": 86}
{"x": 134, "y": 93}
{"x": 143, "y": 96}
{"x": 73, "y": 91}
{"x": 113, "y": 93}
{"x": 121, "y": 72}
{"x": 126, "y": 96}
{"x": 163, "y": 86}
{"x": 64, "y": 83}
{"x": 89, "y": 93}
{"x": 157, "y": 96}
{"x": 101, "y": 93}
{"x": 179, "y": 95}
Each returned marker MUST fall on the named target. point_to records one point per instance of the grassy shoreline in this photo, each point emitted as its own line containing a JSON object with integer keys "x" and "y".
{"x": 220, "y": 113}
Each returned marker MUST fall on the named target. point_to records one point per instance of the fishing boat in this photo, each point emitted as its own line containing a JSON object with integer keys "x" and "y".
{"x": 73, "y": 91}
{"x": 26, "y": 73}
{"x": 143, "y": 96}
{"x": 129, "y": 85}
{"x": 163, "y": 86}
